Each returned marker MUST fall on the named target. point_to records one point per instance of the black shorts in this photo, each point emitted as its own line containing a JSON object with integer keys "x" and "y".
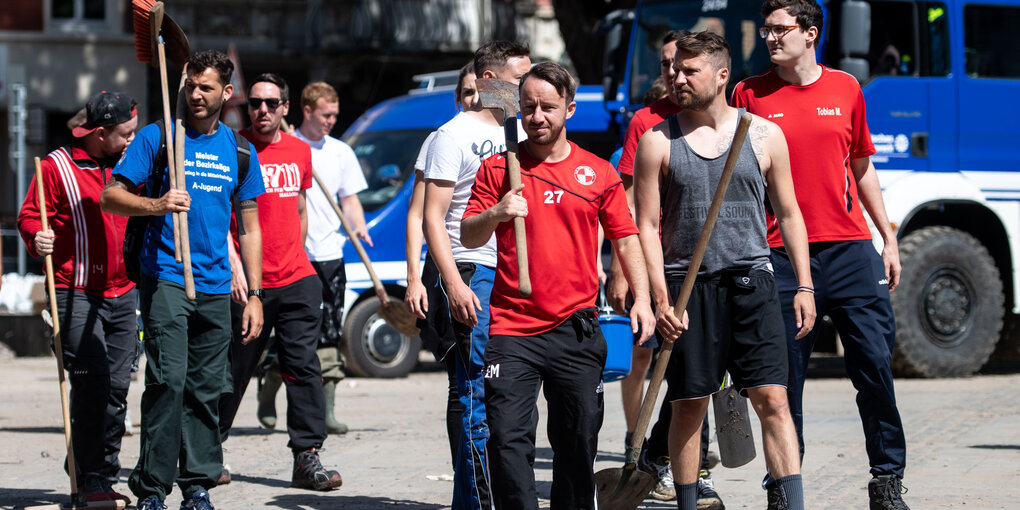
{"x": 736, "y": 325}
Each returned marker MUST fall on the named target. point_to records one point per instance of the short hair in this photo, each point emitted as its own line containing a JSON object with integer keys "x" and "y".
{"x": 275, "y": 79}
{"x": 656, "y": 92}
{"x": 200, "y": 61}
{"x": 468, "y": 68}
{"x": 494, "y": 55}
{"x": 555, "y": 75}
{"x": 708, "y": 44}
{"x": 807, "y": 12}
{"x": 318, "y": 90}
{"x": 673, "y": 35}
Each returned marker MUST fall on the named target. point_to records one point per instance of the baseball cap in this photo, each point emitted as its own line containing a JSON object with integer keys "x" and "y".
{"x": 106, "y": 109}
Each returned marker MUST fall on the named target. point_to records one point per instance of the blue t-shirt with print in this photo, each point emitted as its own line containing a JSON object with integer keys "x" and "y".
{"x": 210, "y": 163}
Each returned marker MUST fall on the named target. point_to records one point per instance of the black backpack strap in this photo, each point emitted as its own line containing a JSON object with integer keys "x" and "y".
{"x": 158, "y": 165}
{"x": 243, "y": 157}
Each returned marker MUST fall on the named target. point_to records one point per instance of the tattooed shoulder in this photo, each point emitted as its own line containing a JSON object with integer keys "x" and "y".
{"x": 759, "y": 134}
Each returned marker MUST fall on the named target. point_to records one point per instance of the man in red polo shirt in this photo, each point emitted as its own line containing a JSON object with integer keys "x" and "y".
{"x": 293, "y": 293}
{"x": 90, "y": 284}
{"x": 553, "y": 336}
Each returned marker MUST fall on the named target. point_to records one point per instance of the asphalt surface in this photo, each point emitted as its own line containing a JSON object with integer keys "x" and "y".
{"x": 963, "y": 440}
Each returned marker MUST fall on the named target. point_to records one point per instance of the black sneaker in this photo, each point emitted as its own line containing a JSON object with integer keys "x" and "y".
{"x": 309, "y": 473}
{"x": 151, "y": 503}
{"x": 777, "y": 500}
{"x": 884, "y": 492}
{"x": 199, "y": 500}
{"x": 708, "y": 499}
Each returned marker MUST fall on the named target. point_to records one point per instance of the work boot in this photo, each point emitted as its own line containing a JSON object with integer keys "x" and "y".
{"x": 309, "y": 473}
{"x": 708, "y": 499}
{"x": 151, "y": 503}
{"x": 776, "y": 498}
{"x": 884, "y": 491}
{"x": 199, "y": 500}
{"x": 659, "y": 468}
{"x": 332, "y": 426}
{"x": 268, "y": 386}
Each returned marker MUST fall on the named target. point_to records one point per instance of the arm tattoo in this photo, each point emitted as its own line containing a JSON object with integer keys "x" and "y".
{"x": 245, "y": 206}
{"x": 759, "y": 134}
{"x": 248, "y": 204}
{"x": 117, "y": 182}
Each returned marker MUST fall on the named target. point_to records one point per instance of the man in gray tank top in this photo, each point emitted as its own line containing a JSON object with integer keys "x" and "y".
{"x": 735, "y": 323}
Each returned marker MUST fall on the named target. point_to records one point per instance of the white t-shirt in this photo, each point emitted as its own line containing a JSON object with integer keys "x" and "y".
{"x": 335, "y": 163}
{"x": 423, "y": 154}
{"x": 456, "y": 152}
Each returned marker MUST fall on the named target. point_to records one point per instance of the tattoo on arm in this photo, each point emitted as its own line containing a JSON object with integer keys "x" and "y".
{"x": 759, "y": 134}
{"x": 244, "y": 206}
{"x": 248, "y": 204}
{"x": 118, "y": 182}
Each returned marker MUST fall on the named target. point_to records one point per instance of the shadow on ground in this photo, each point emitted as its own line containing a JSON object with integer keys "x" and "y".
{"x": 338, "y": 500}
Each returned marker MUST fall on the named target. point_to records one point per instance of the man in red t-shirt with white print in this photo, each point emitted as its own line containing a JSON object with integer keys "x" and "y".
{"x": 822, "y": 113}
{"x": 553, "y": 336}
{"x": 292, "y": 295}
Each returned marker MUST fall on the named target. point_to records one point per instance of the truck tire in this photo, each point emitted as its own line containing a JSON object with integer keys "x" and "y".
{"x": 373, "y": 348}
{"x": 948, "y": 306}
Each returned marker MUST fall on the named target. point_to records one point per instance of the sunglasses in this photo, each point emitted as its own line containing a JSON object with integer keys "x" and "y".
{"x": 272, "y": 103}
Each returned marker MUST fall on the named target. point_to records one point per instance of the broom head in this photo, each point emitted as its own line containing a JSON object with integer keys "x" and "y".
{"x": 151, "y": 20}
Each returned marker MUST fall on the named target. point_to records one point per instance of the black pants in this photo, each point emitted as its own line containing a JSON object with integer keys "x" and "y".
{"x": 568, "y": 359}
{"x": 99, "y": 341}
{"x": 333, "y": 276}
{"x": 293, "y": 311}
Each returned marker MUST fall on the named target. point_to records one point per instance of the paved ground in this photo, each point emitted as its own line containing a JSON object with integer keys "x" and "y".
{"x": 963, "y": 446}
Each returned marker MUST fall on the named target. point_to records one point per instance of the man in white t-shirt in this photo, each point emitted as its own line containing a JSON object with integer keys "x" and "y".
{"x": 456, "y": 152}
{"x": 335, "y": 163}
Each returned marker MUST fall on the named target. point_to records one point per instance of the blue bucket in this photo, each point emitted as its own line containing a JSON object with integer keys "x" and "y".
{"x": 620, "y": 343}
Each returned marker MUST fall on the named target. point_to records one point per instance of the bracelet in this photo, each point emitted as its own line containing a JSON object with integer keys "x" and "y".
{"x": 805, "y": 288}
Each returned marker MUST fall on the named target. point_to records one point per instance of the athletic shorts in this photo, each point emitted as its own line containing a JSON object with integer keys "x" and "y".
{"x": 736, "y": 325}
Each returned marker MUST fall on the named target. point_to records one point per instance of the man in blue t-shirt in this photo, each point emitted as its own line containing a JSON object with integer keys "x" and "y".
{"x": 186, "y": 342}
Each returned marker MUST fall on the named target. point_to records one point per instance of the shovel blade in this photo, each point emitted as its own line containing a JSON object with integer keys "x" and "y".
{"x": 622, "y": 489}
{"x": 733, "y": 428}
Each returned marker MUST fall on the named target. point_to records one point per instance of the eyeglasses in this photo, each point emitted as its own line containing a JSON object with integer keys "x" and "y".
{"x": 778, "y": 31}
{"x": 272, "y": 103}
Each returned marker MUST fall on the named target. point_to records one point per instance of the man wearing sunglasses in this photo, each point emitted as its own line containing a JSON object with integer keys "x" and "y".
{"x": 293, "y": 294}
{"x": 822, "y": 114}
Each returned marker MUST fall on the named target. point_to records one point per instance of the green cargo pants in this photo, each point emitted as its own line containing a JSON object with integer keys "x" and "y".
{"x": 186, "y": 348}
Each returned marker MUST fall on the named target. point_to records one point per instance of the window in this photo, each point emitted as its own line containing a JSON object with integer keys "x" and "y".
{"x": 937, "y": 38}
{"x": 893, "y": 48}
{"x": 991, "y": 38}
{"x": 78, "y": 9}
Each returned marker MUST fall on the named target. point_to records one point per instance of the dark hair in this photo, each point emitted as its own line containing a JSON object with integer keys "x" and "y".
{"x": 807, "y": 12}
{"x": 202, "y": 60}
{"x": 673, "y": 35}
{"x": 555, "y": 75}
{"x": 709, "y": 44}
{"x": 468, "y": 68}
{"x": 275, "y": 79}
{"x": 656, "y": 92}
{"x": 493, "y": 56}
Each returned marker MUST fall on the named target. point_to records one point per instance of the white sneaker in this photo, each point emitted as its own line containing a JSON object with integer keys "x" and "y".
{"x": 664, "y": 489}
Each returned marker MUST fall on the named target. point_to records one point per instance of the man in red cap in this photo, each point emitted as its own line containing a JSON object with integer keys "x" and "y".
{"x": 95, "y": 299}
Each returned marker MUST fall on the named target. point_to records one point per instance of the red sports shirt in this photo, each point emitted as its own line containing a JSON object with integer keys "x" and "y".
{"x": 826, "y": 128}
{"x": 645, "y": 119}
{"x": 88, "y": 247}
{"x": 286, "y": 170}
{"x": 566, "y": 202}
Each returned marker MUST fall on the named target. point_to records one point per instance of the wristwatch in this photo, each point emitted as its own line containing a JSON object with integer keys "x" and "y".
{"x": 259, "y": 293}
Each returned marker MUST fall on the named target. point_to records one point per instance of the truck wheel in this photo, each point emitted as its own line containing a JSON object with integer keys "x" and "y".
{"x": 948, "y": 306}
{"x": 373, "y": 348}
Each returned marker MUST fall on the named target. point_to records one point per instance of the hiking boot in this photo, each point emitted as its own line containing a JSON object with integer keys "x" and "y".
{"x": 332, "y": 426}
{"x": 309, "y": 473}
{"x": 268, "y": 386}
{"x": 776, "y": 498}
{"x": 151, "y": 503}
{"x": 708, "y": 499}
{"x": 224, "y": 475}
{"x": 884, "y": 491}
{"x": 199, "y": 500}
{"x": 663, "y": 473}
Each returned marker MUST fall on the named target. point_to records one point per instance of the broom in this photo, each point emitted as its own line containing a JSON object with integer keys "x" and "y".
{"x": 157, "y": 34}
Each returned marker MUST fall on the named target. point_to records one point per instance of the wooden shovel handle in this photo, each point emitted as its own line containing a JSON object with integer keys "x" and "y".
{"x": 648, "y": 404}
{"x": 520, "y": 238}
{"x": 171, "y": 166}
{"x": 58, "y": 350}
{"x": 182, "y": 183}
{"x": 379, "y": 289}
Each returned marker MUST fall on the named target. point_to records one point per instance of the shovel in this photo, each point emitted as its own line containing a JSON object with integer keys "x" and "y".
{"x": 505, "y": 96}
{"x": 733, "y": 426}
{"x": 625, "y": 488}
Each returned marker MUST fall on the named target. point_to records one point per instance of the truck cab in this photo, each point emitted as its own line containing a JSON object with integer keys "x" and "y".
{"x": 940, "y": 82}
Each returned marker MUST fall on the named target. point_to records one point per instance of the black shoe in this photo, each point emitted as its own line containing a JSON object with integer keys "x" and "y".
{"x": 777, "y": 500}
{"x": 884, "y": 491}
{"x": 309, "y": 473}
{"x": 708, "y": 498}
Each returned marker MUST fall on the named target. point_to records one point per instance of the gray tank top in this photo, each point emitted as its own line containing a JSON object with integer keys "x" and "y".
{"x": 738, "y": 240}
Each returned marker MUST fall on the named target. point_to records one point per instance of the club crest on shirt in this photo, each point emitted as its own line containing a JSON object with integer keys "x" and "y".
{"x": 584, "y": 175}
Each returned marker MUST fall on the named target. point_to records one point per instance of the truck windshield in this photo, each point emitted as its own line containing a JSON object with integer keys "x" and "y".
{"x": 387, "y": 160}
{"x": 736, "y": 20}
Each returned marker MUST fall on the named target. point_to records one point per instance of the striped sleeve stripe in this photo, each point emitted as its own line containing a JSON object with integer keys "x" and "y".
{"x": 81, "y": 254}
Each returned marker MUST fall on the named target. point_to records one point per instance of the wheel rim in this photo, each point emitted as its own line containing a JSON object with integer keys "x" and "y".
{"x": 948, "y": 300}
{"x": 384, "y": 344}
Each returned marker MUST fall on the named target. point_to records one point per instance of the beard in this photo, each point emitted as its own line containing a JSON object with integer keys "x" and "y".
{"x": 693, "y": 100}
{"x": 212, "y": 110}
{"x": 548, "y": 138}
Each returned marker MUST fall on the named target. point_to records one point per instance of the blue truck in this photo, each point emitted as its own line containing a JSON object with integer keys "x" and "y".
{"x": 940, "y": 79}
